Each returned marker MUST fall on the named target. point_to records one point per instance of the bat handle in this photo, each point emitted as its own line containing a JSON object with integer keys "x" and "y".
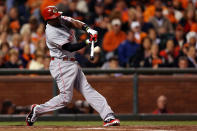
{"x": 92, "y": 51}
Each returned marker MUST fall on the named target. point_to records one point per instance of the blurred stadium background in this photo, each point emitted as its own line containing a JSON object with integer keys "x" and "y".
{"x": 145, "y": 62}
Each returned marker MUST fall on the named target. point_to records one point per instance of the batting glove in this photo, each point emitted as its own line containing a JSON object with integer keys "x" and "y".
{"x": 93, "y": 34}
{"x": 88, "y": 42}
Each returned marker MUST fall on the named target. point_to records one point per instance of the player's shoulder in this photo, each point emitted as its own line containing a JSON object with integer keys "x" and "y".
{"x": 51, "y": 31}
{"x": 50, "y": 28}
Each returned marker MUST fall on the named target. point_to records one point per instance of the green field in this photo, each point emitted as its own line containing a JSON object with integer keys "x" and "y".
{"x": 99, "y": 123}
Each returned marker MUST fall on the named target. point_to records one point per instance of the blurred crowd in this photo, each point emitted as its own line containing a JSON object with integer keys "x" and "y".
{"x": 162, "y": 107}
{"x": 131, "y": 33}
{"x": 75, "y": 107}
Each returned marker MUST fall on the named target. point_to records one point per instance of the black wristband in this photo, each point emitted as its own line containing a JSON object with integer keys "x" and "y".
{"x": 85, "y": 27}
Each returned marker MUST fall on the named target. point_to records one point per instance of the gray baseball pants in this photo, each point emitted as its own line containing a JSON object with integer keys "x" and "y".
{"x": 69, "y": 75}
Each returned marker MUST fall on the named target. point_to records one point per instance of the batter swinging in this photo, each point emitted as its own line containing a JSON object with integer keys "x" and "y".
{"x": 64, "y": 69}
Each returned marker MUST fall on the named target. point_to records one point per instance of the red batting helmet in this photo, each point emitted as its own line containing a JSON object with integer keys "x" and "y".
{"x": 50, "y": 12}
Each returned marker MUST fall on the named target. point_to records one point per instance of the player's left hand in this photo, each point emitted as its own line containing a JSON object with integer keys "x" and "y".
{"x": 93, "y": 34}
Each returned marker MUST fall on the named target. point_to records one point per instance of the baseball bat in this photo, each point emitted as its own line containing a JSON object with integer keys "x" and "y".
{"x": 92, "y": 51}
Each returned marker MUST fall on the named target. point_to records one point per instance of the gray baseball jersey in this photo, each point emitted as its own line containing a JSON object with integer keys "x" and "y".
{"x": 56, "y": 37}
{"x": 68, "y": 74}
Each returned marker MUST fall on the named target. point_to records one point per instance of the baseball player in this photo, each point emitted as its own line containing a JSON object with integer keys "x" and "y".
{"x": 65, "y": 70}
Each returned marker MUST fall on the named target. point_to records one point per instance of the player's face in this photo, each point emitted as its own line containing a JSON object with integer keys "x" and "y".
{"x": 55, "y": 22}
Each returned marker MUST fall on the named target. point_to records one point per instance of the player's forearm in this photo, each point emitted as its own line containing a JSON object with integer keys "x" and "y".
{"x": 73, "y": 47}
{"x": 80, "y": 25}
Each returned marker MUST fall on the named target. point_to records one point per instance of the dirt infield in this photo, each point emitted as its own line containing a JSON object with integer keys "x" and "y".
{"x": 98, "y": 128}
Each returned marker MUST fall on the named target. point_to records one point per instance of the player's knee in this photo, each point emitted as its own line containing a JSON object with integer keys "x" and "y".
{"x": 66, "y": 98}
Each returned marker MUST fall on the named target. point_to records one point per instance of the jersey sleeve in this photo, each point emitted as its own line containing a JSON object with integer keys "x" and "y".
{"x": 68, "y": 20}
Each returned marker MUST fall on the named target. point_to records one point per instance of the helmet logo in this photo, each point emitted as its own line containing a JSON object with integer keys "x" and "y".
{"x": 54, "y": 10}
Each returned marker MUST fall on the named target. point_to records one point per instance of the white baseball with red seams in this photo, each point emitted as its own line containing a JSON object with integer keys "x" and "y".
{"x": 68, "y": 74}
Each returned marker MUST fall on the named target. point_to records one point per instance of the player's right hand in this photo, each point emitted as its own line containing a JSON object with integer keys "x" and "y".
{"x": 88, "y": 42}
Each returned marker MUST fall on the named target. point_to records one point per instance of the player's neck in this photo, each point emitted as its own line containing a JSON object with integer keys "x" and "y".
{"x": 55, "y": 25}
